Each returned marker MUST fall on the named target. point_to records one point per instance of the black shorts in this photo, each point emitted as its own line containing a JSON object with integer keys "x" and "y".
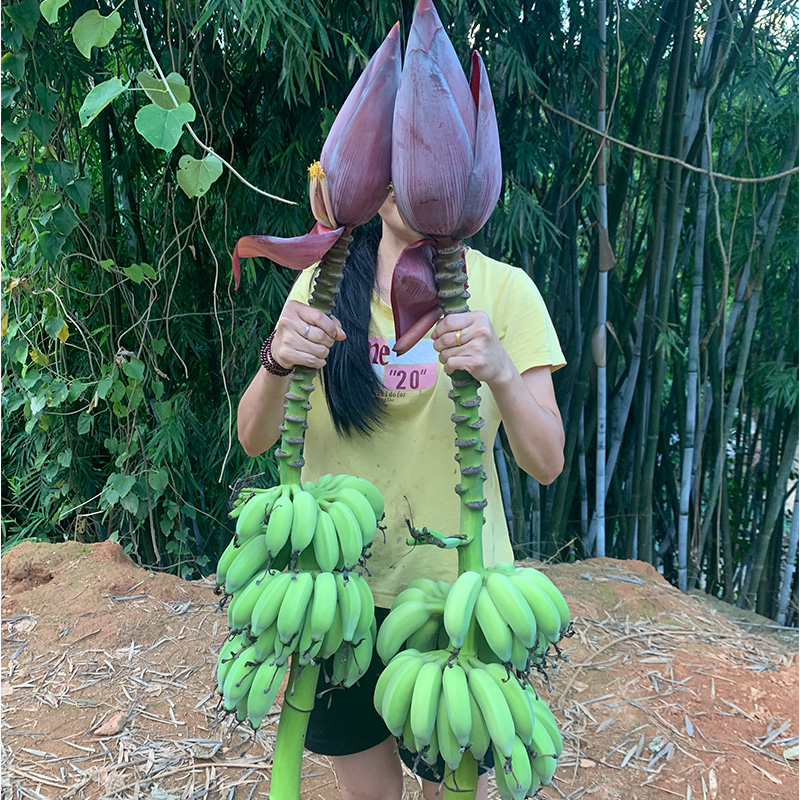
{"x": 344, "y": 721}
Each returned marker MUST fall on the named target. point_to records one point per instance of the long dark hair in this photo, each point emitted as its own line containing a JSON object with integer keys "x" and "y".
{"x": 352, "y": 387}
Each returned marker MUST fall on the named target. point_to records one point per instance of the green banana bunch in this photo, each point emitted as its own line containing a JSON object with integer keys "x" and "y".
{"x": 415, "y": 619}
{"x": 333, "y": 520}
{"x": 451, "y": 702}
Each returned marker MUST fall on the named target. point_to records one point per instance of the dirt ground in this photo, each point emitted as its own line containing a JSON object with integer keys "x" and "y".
{"x": 107, "y": 690}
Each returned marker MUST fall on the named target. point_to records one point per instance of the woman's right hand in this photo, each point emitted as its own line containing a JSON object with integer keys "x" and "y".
{"x": 304, "y": 336}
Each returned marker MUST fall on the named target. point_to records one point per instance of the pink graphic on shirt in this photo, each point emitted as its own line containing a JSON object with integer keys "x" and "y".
{"x": 413, "y": 371}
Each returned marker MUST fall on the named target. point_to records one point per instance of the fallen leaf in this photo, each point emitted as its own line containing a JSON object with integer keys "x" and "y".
{"x": 112, "y": 726}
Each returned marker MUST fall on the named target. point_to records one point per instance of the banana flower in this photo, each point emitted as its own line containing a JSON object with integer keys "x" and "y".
{"x": 351, "y": 180}
{"x": 446, "y": 169}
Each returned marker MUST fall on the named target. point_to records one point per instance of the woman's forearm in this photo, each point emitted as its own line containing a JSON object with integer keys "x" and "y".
{"x": 260, "y": 412}
{"x": 532, "y": 421}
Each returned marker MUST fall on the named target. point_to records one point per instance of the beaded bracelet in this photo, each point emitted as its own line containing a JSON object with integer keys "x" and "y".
{"x": 268, "y": 360}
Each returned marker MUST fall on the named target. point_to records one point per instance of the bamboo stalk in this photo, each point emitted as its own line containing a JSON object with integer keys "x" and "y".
{"x": 604, "y": 255}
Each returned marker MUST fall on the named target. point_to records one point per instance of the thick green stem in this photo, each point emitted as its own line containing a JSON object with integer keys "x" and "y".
{"x": 463, "y": 783}
{"x": 450, "y": 282}
{"x": 326, "y": 287}
{"x": 287, "y": 760}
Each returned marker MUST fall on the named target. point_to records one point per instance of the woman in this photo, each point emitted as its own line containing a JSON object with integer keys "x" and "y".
{"x": 388, "y": 418}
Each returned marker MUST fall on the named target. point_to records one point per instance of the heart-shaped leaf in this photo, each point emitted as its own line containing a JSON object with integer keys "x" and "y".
{"x": 94, "y": 30}
{"x": 42, "y": 126}
{"x": 99, "y": 97}
{"x": 50, "y": 9}
{"x": 162, "y": 127}
{"x": 26, "y": 15}
{"x": 195, "y": 176}
{"x": 154, "y": 88}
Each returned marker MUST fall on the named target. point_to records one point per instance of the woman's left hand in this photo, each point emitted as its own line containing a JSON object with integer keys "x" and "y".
{"x": 469, "y": 342}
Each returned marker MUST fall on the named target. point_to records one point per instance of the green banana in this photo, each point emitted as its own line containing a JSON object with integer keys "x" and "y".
{"x": 456, "y": 694}
{"x": 551, "y": 590}
{"x": 279, "y": 523}
{"x": 225, "y": 560}
{"x": 266, "y": 609}
{"x": 459, "y": 605}
{"x": 359, "y": 657}
{"x": 251, "y": 558}
{"x": 495, "y": 710}
{"x": 517, "y": 701}
{"x": 512, "y": 607}
{"x": 366, "y": 617}
{"x": 369, "y": 490}
{"x": 519, "y": 779}
{"x": 244, "y": 600}
{"x": 388, "y": 672}
{"x": 520, "y": 655}
{"x": 332, "y": 640}
{"x": 479, "y": 740}
{"x": 548, "y": 620}
{"x": 501, "y": 777}
{"x": 430, "y": 754}
{"x": 293, "y": 608}
{"x": 263, "y": 691}
{"x": 229, "y": 652}
{"x": 426, "y": 637}
{"x": 493, "y": 627}
{"x": 264, "y": 645}
{"x": 544, "y": 760}
{"x": 323, "y": 605}
{"x": 398, "y": 693}
{"x": 544, "y": 718}
{"x": 305, "y": 645}
{"x": 239, "y": 678}
{"x": 348, "y": 532}
{"x": 326, "y": 542}
{"x": 350, "y": 604}
{"x": 252, "y": 516}
{"x": 362, "y": 511}
{"x": 401, "y": 622}
{"x": 449, "y": 748}
{"x": 425, "y": 701}
{"x": 304, "y": 520}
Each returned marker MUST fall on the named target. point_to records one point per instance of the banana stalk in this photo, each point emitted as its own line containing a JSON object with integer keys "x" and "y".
{"x": 287, "y": 760}
{"x": 326, "y": 287}
{"x": 450, "y": 279}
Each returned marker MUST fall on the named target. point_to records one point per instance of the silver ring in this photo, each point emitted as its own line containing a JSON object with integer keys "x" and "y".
{"x": 308, "y": 328}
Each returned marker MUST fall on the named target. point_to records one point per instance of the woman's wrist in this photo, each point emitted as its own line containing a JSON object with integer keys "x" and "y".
{"x": 268, "y": 360}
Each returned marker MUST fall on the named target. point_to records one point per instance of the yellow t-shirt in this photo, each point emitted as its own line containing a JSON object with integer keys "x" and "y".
{"x": 410, "y": 458}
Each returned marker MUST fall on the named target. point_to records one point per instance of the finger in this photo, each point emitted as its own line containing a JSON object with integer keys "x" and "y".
{"x": 340, "y": 334}
{"x": 317, "y": 335}
{"x": 317, "y": 318}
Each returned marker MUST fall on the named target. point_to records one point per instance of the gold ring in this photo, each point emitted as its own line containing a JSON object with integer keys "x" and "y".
{"x": 458, "y": 338}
